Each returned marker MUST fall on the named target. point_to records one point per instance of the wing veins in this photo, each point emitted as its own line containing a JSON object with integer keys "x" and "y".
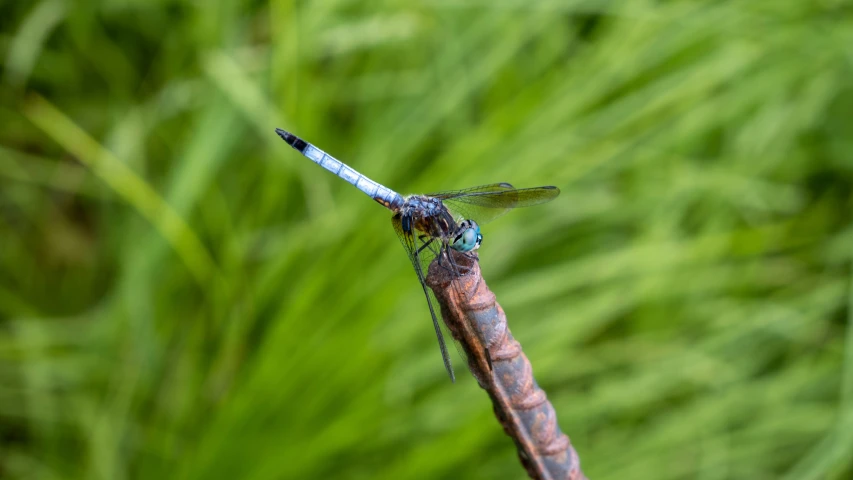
{"x": 408, "y": 241}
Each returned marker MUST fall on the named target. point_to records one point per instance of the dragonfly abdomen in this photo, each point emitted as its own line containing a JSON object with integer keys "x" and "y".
{"x": 381, "y": 194}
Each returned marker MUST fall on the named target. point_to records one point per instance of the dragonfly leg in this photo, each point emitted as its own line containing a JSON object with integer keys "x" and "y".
{"x": 438, "y": 252}
{"x": 455, "y": 268}
{"x": 470, "y": 255}
{"x": 426, "y": 244}
{"x": 445, "y": 258}
{"x": 459, "y": 270}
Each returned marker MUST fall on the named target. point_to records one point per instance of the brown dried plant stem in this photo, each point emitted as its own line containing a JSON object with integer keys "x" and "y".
{"x": 475, "y": 319}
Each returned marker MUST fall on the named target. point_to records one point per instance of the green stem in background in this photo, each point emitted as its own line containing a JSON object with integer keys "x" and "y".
{"x": 128, "y": 185}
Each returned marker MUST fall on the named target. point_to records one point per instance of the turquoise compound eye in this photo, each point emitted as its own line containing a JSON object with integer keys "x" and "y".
{"x": 468, "y": 240}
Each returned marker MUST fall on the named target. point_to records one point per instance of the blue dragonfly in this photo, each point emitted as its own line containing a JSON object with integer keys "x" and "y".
{"x": 432, "y": 225}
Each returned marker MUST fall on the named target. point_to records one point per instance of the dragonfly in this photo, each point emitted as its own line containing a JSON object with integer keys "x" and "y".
{"x": 430, "y": 226}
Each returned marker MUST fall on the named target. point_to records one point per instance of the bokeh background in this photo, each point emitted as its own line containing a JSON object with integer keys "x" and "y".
{"x": 184, "y": 296}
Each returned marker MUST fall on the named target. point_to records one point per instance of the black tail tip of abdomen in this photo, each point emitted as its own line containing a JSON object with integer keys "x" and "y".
{"x": 291, "y": 139}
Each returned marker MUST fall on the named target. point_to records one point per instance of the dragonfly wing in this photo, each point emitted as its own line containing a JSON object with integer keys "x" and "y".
{"x": 493, "y": 187}
{"x": 421, "y": 256}
{"x": 488, "y": 202}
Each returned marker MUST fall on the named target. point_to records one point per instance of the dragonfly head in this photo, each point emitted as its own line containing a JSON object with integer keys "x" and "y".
{"x": 468, "y": 237}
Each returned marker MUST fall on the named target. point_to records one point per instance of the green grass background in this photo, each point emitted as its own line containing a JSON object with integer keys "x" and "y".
{"x": 184, "y": 296}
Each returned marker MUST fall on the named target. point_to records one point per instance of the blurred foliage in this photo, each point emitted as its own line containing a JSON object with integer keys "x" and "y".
{"x": 183, "y": 295}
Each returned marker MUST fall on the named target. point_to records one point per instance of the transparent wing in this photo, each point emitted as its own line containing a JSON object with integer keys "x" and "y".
{"x": 421, "y": 254}
{"x": 450, "y": 262}
{"x": 488, "y": 202}
{"x": 493, "y": 187}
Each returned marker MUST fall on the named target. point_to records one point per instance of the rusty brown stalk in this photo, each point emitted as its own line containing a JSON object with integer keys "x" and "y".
{"x": 475, "y": 319}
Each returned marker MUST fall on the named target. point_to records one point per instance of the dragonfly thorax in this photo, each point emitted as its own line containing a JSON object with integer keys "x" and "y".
{"x": 429, "y": 216}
